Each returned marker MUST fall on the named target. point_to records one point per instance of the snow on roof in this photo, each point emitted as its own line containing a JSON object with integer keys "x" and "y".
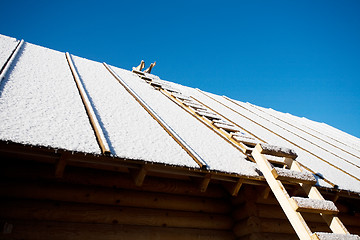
{"x": 40, "y": 105}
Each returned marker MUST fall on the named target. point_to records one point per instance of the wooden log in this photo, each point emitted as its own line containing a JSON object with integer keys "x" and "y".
{"x": 103, "y": 178}
{"x": 90, "y": 213}
{"x": 80, "y": 231}
{"x": 245, "y": 210}
{"x": 120, "y": 197}
{"x": 350, "y": 220}
{"x": 269, "y": 236}
{"x": 275, "y": 212}
{"x": 256, "y": 224}
{"x": 247, "y": 226}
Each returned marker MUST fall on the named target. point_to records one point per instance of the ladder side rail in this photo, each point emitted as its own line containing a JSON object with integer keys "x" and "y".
{"x": 333, "y": 221}
{"x": 295, "y": 218}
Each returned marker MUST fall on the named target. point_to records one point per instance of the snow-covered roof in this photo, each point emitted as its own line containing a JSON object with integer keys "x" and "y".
{"x": 40, "y": 105}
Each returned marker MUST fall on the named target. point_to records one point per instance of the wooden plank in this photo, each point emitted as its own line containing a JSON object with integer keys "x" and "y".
{"x": 42, "y": 230}
{"x": 90, "y": 213}
{"x": 313, "y": 205}
{"x": 234, "y": 188}
{"x": 100, "y": 136}
{"x": 139, "y": 175}
{"x": 204, "y": 183}
{"x": 293, "y": 176}
{"x": 108, "y": 196}
{"x": 277, "y": 151}
{"x": 10, "y": 60}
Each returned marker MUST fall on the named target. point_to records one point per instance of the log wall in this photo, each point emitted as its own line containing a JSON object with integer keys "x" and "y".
{"x": 91, "y": 204}
{"x": 35, "y": 203}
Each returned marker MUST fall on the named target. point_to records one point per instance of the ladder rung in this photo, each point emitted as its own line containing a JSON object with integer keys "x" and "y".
{"x": 293, "y": 176}
{"x": 333, "y": 236}
{"x": 181, "y": 96}
{"x": 138, "y": 72}
{"x": 277, "y": 151}
{"x": 313, "y": 205}
{"x": 275, "y": 160}
{"x": 222, "y": 122}
{"x": 208, "y": 114}
{"x": 194, "y": 105}
{"x": 146, "y": 78}
{"x": 170, "y": 89}
{"x": 227, "y": 127}
{"x": 156, "y": 84}
{"x": 245, "y": 139}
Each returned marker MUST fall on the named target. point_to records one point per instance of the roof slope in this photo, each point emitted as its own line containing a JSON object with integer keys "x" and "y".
{"x": 41, "y": 105}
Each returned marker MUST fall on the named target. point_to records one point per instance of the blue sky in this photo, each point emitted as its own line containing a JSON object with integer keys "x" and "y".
{"x": 301, "y": 57}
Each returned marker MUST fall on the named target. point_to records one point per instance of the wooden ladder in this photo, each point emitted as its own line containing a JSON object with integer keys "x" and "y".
{"x": 293, "y": 206}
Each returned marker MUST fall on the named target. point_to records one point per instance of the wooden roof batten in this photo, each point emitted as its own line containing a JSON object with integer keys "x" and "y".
{"x": 5, "y": 68}
{"x": 99, "y": 134}
{"x": 196, "y": 157}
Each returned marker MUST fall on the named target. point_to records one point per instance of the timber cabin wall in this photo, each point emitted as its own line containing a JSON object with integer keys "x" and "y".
{"x": 96, "y": 204}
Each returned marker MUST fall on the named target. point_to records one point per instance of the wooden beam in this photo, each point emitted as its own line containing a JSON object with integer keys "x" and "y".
{"x": 266, "y": 192}
{"x": 60, "y": 165}
{"x": 204, "y": 183}
{"x": 92, "y": 213}
{"x": 110, "y": 196}
{"x": 139, "y": 175}
{"x": 234, "y": 188}
{"x": 100, "y": 136}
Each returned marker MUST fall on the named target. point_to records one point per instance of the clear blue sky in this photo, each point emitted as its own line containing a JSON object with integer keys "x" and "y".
{"x": 301, "y": 57}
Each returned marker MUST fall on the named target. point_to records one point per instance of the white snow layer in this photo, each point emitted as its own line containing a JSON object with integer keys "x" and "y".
{"x": 7, "y": 45}
{"x": 216, "y": 152}
{"x": 295, "y": 174}
{"x": 131, "y": 131}
{"x": 264, "y": 130}
{"x": 315, "y": 204}
{"x": 334, "y": 236}
{"x": 309, "y": 127}
{"x": 40, "y": 104}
